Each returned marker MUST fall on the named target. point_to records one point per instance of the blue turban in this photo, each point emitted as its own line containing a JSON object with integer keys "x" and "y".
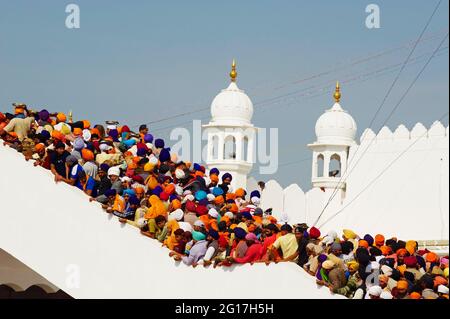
{"x": 196, "y": 235}
{"x": 44, "y": 115}
{"x": 164, "y": 155}
{"x": 110, "y": 192}
{"x": 203, "y": 202}
{"x": 214, "y": 234}
{"x": 159, "y": 143}
{"x": 239, "y": 232}
{"x": 214, "y": 171}
{"x": 255, "y": 194}
{"x": 172, "y": 197}
{"x": 114, "y": 134}
{"x": 141, "y": 152}
{"x": 130, "y": 192}
{"x": 104, "y": 167}
{"x": 45, "y": 135}
{"x": 129, "y": 143}
{"x": 197, "y": 167}
{"x": 148, "y": 138}
{"x": 369, "y": 239}
{"x": 226, "y": 175}
{"x": 157, "y": 190}
{"x": 199, "y": 195}
{"x": 217, "y": 191}
{"x": 247, "y": 215}
{"x": 133, "y": 200}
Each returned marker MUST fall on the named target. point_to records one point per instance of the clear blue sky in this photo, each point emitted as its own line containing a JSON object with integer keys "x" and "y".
{"x": 141, "y": 61}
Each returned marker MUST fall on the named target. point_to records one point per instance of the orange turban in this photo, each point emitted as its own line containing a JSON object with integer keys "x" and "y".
{"x": 95, "y": 131}
{"x": 170, "y": 189}
{"x": 86, "y": 124}
{"x": 214, "y": 178}
{"x": 230, "y": 196}
{"x": 233, "y": 208}
{"x": 57, "y": 135}
{"x": 77, "y": 131}
{"x": 139, "y": 190}
{"x": 39, "y": 147}
{"x": 136, "y": 159}
{"x": 219, "y": 200}
{"x": 402, "y": 284}
{"x": 431, "y": 257}
{"x": 379, "y": 240}
{"x": 240, "y": 192}
{"x": 402, "y": 252}
{"x": 61, "y": 117}
{"x": 87, "y": 155}
{"x": 198, "y": 173}
{"x": 363, "y": 243}
{"x": 411, "y": 246}
{"x": 415, "y": 295}
{"x": 176, "y": 204}
{"x": 386, "y": 250}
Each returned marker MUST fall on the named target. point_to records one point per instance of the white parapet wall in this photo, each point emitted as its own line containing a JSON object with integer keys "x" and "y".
{"x": 56, "y": 231}
{"x": 397, "y": 185}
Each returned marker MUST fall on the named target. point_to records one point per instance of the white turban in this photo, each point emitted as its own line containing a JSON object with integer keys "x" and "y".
{"x": 255, "y": 200}
{"x": 213, "y": 213}
{"x": 179, "y": 190}
{"x": 179, "y": 174}
{"x": 185, "y": 226}
{"x": 114, "y": 171}
{"x": 386, "y": 295}
{"x": 86, "y": 135}
{"x": 386, "y": 270}
{"x": 199, "y": 223}
{"x": 176, "y": 214}
{"x": 210, "y": 197}
{"x": 105, "y": 147}
{"x": 152, "y": 159}
{"x": 230, "y": 215}
{"x": 375, "y": 291}
{"x": 443, "y": 289}
{"x": 188, "y": 197}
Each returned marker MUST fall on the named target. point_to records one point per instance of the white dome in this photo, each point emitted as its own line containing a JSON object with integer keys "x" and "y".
{"x": 336, "y": 126}
{"x": 232, "y": 107}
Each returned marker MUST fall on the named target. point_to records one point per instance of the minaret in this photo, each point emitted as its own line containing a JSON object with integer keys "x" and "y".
{"x": 335, "y": 132}
{"x": 231, "y": 135}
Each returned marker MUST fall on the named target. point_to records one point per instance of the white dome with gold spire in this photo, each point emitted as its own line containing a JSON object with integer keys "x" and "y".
{"x": 336, "y": 126}
{"x": 232, "y": 107}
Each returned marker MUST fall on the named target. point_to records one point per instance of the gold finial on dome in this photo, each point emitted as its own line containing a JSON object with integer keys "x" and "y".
{"x": 233, "y": 73}
{"x": 337, "y": 93}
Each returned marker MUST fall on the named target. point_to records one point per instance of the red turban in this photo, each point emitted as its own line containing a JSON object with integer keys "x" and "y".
{"x": 314, "y": 232}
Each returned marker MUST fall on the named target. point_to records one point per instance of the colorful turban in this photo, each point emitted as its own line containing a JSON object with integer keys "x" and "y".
{"x": 411, "y": 246}
{"x": 240, "y": 192}
{"x": 379, "y": 240}
{"x": 369, "y": 239}
{"x": 148, "y": 138}
{"x": 159, "y": 143}
{"x": 255, "y": 193}
{"x": 386, "y": 250}
{"x": 410, "y": 261}
{"x": 431, "y": 257}
{"x": 328, "y": 264}
{"x": 196, "y": 235}
{"x": 349, "y": 234}
{"x": 213, "y": 233}
{"x": 402, "y": 252}
{"x": 363, "y": 243}
{"x": 226, "y": 175}
{"x": 402, "y": 284}
{"x": 214, "y": 171}
{"x": 314, "y": 232}
{"x": 239, "y": 233}
{"x": 353, "y": 266}
{"x": 87, "y": 155}
{"x": 415, "y": 295}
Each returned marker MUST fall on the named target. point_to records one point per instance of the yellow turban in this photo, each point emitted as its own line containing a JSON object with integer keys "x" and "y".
{"x": 349, "y": 234}
{"x": 353, "y": 266}
{"x": 411, "y": 246}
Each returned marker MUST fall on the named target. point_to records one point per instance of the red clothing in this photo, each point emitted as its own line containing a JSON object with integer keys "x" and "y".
{"x": 252, "y": 254}
{"x": 267, "y": 243}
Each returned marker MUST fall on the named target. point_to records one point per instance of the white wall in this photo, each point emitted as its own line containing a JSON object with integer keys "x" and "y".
{"x": 53, "y": 227}
{"x": 410, "y": 200}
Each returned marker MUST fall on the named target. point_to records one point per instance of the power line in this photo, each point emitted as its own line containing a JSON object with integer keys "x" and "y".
{"x": 381, "y": 173}
{"x": 335, "y": 191}
{"x": 314, "y": 76}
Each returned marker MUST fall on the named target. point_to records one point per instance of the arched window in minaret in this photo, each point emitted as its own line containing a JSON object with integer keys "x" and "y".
{"x": 320, "y": 163}
{"x": 230, "y": 147}
{"x": 245, "y": 148}
{"x": 335, "y": 166}
{"x": 215, "y": 147}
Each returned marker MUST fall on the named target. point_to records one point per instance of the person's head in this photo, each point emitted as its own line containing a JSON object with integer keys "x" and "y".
{"x": 286, "y": 229}
{"x": 160, "y": 221}
{"x": 111, "y": 194}
{"x": 270, "y": 230}
{"x": 250, "y": 239}
{"x": 374, "y": 292}
{"x": 336, "y": 249}
{"x": 212, "y": 235}
{"x": 60, "y": 147}
{"x": 82, "y": 177}
{"x": 226, "y": 178}
{"x": 143, "y": 129}
{"x": 426, "y": 281}
{"x": 298, "y": 233}
{"x": 179, "y": 234}
{"x": 383, "y": 281}
{"x": 402, "y": 287}
{"x": 199, "y": 225}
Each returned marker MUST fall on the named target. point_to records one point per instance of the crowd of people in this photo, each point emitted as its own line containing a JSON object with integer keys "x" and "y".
{"x": 202, "y": 220}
